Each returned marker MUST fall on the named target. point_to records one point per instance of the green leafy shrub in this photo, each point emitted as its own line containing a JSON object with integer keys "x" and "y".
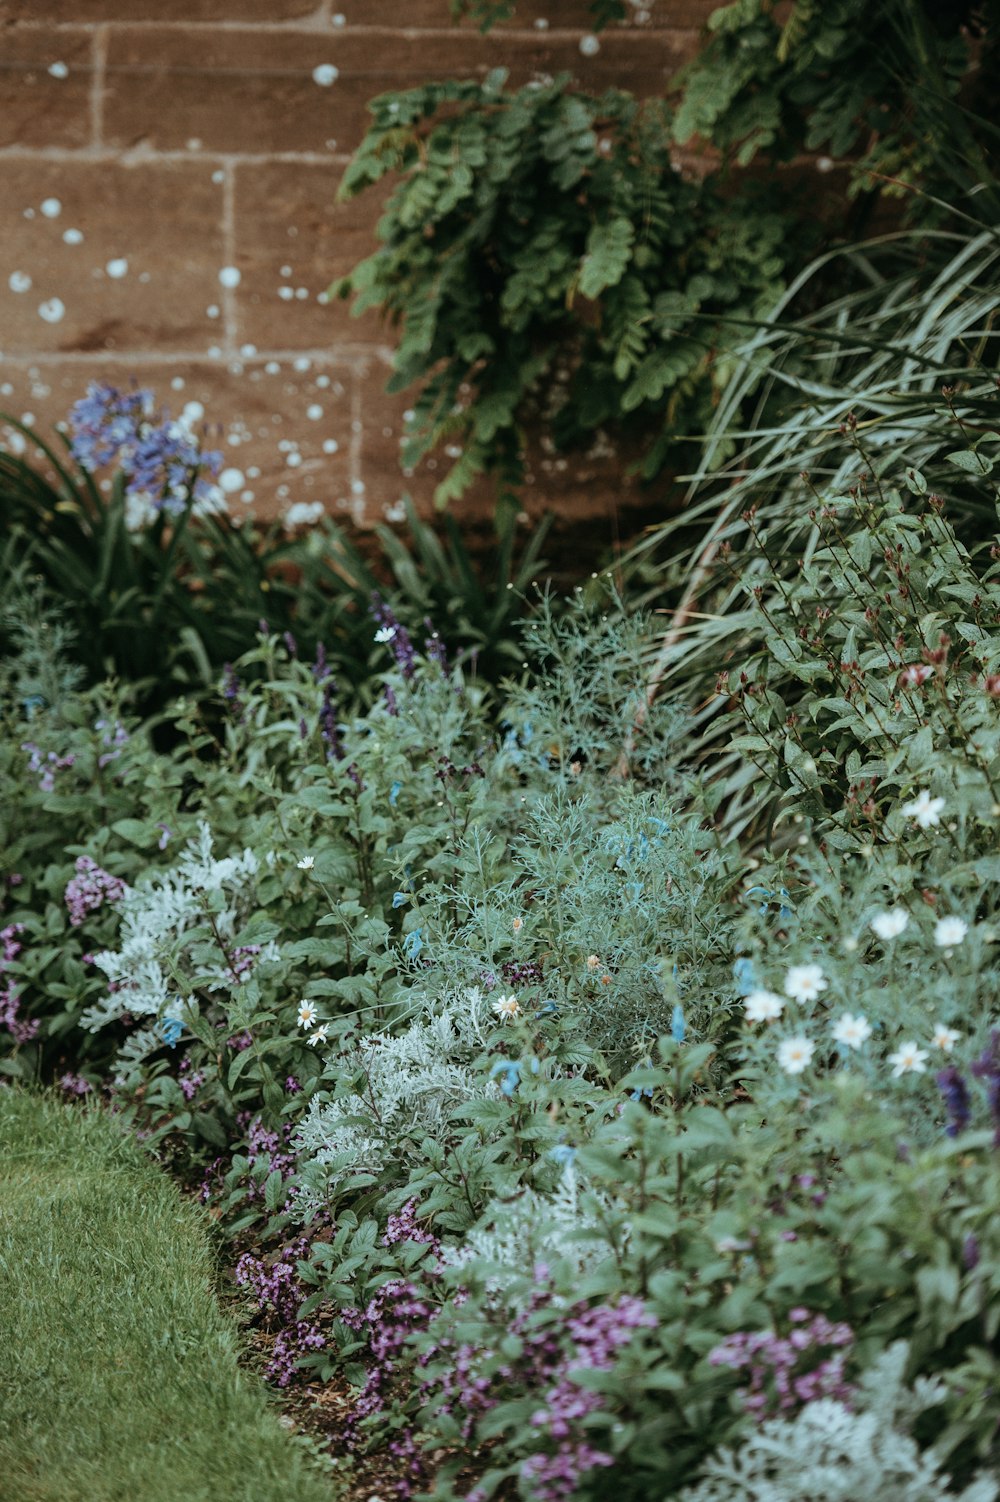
{"x": 546, "y": 260}
{"x": 551, "y": 270}
{"x": 850, "y": 437}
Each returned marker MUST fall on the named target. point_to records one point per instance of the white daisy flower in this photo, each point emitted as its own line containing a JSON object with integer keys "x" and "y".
{"x": 794, "y": 1054}
{"x": 507, "y": 1007}
{"x": 307, "y": 1014}
{"x": 306, "y": 863}
{"x": 517, "y": 925}
{"x": 804, "y": 982}
{"x": 908, "y": 1059}
{"x": 851, "y": 1031}
{"x": 925, "y": 809}
{"x": 950, "y": 931}
{"x": 319, "y": 1036}
{"x": 945, "y": 1038}
{"x": 891, "y": 924}
{"x": 385, "y": 633}
{"x": 763, "y": 1006}
{"x": 593, "y": 962}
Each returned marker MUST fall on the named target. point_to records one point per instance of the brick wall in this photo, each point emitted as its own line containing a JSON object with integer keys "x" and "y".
{"x": 150, "y": 150}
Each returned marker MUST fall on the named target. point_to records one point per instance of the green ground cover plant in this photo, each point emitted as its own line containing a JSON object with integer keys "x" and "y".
{"x": 121, "y": 1376}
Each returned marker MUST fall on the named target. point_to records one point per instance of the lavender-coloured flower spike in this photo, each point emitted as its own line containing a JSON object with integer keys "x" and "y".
{"x": 956, "y": 1099}
{"x": 399, "y": 639}
{"x": 320, "y": 668}
{"x": 434, "y": 647}
{"x": 231, "y": 690}
{"x": 328, "y": 727}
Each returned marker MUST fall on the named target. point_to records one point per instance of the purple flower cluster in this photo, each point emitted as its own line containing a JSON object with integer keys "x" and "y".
{"x": 279, "y": 1293}
{"x": 113, "y": 738}
{"x": 190, "y": 1080}
{"x": 597, "y": 1333}
{"x": 242, "y": 957}
{"x": 434, "y": 647}
{"x": 90, "y": 889}
{"x": 164, "y": 465}
{"x": 321, "y": 668}
{"x": 787, "y": 1371}
{"x": 404, "y": 1226}
{"x": 393, "y": 1315}
{"x": 74, "y": 1084}
{"x": 10, "y": 1000}
{"x": 399, "y": 640}
{"x": 520, "y": 974}
{"x": 554, "y": 1353}
{"x": 46, "y": 762}
{"x": 328, "y": 728}
{"x": 264, "y": 1148}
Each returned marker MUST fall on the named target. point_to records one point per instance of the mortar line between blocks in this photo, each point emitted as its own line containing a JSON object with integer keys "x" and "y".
{"x": 351, "y": 356}
{"x": 356, "y": 478}
{"x": 229, "y": 251}
{"x": 98, "y": 84}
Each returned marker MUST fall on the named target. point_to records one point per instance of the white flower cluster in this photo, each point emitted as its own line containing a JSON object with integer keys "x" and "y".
{"x": 851, "y": 1030}
{"x": 155, "y": 916}
{"x": 838, "y": 1454}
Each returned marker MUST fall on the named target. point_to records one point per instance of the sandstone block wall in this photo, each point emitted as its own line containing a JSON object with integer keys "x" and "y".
{"x": 168, "y": 172}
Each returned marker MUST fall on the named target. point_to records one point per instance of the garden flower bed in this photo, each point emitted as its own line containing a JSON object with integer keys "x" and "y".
{"x": 578, "y": 1018}
{"x": 561, "y": 1141}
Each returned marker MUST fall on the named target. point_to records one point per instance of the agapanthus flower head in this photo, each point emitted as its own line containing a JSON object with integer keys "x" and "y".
{"x": 164, "y": 466}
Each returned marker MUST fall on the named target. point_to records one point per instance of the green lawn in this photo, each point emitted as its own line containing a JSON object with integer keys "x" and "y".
{"x": 118, "y": 1370}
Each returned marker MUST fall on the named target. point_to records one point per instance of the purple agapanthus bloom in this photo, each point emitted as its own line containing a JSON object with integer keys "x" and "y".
{"x": 164, "y": 466}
